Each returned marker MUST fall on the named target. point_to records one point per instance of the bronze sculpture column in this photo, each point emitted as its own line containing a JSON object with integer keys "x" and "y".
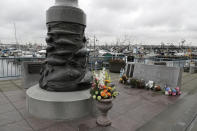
{"x": 65, "y": 67}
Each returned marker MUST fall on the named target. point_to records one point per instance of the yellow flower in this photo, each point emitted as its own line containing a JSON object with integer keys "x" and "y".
{"x": 109, "y": 88}
{"x": 107, "y": 81}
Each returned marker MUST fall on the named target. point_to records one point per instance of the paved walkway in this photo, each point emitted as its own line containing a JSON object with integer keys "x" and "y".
{"x": 133, "y": 109}
{"x": 182, "y": 115}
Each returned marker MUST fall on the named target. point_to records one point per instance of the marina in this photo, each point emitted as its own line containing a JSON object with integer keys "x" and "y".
{"x": 99, "y": 56}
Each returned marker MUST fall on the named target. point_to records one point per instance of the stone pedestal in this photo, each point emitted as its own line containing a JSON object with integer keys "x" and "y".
{"x": 58, "y": 105}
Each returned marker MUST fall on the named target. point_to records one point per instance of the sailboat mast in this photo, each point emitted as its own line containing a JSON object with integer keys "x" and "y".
{"x": 16, "y": 40}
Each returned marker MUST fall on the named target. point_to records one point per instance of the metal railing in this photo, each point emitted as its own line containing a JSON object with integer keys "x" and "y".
{"x": 12, "y": 67}
{"x": 96, "y": 63}
{"x": 169, "y": 63}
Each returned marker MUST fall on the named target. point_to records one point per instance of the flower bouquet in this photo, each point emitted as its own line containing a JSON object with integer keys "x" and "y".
{"x": 102, "y": 88}
{"x": 103, "y": 91}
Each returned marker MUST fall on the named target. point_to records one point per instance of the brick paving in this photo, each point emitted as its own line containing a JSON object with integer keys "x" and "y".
{"x": 132, "y": 109}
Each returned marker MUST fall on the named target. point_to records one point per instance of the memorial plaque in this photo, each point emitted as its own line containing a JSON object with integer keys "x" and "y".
{"x": 129, "y": 69}
{"x": 160, "y": 63}
{"x": 160, "y": 74}
{"x": 34, "y": 68}
{"x": 128, "y": 66}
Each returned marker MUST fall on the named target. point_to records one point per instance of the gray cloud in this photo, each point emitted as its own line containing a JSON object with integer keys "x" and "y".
{"x": 117, "y": 6}
{"x": 148, "y": 21}
{"x": 29, "y": 18}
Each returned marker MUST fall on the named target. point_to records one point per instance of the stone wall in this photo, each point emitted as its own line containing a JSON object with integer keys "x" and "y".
{"x": 30, "y": 73}
{"x": 162, "y": 75}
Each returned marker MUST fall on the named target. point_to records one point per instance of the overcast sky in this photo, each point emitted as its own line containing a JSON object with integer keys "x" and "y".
{"x": 142, "y": 21}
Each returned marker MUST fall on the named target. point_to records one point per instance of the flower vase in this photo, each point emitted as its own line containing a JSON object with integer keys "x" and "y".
{"x": 104, "y": 105}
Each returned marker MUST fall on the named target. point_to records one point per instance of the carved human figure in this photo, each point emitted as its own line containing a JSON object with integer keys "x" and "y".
{"x": 65, "y": 67}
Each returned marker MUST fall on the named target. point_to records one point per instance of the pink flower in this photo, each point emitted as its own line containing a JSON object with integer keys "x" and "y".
{"x": 94, "y": 84}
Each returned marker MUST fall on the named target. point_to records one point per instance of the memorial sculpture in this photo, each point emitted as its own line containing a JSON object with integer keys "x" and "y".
{"x": 63, "y": 90}
{"x": 65, "y": 67}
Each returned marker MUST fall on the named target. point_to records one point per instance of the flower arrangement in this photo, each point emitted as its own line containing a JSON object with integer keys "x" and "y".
{"x": 102, "y": 87}
{"x": 123, "y": 79}
{"x": 150, "y": 85}
{"x": 172, "y": 91}
{"x": 141, "y": 84}
{"x": 133, "y": 82}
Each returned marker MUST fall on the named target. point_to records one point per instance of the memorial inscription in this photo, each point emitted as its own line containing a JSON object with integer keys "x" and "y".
{"x": 34, "y": 68}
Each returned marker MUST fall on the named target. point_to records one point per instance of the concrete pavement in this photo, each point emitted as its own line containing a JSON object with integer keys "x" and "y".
{"x": 180, "y": 116}
{"x": 133, "y": 109}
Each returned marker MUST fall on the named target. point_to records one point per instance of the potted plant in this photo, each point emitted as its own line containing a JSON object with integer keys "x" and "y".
{"x": 103, "y": 92}
{"x": 115, "y": 65}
